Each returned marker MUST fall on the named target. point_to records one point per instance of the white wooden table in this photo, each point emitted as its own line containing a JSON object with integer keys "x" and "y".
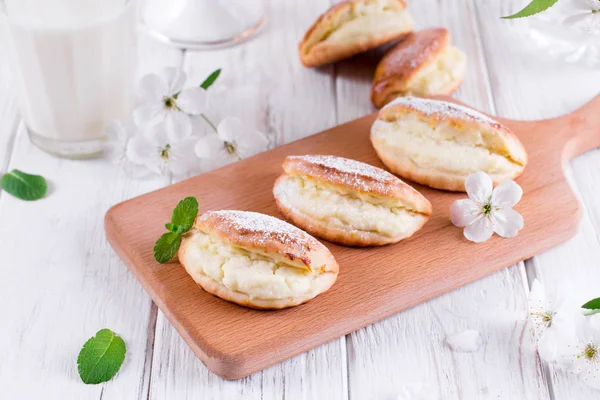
{"x": 60, "y": 282}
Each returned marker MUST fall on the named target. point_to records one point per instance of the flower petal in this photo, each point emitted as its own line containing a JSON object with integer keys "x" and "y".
{"x": 152, "y": 89}
{"x": 230, "y": 129}
{"x": 537, "y": 298}
{"x": 149, "y": 114}
{"x": 116, "y": 142}
{"x": 577, "y": 18}
{"x": 506, "y": 194}
{"x": 175, "y": 79}
{"x": 464, "y": 212}
{"x": 157, "y": 135}
{"x": 209, "y": 146}
{"x": 251, "y": 144}
{"x": 591, "y": 377}
{"x": 193, "y": 100}
{"x": 182, "y": 157}
{"x": 479, "y": 187}
{"x": 114, "y": 153}
{"x": 548, "y": 346}
{"x": 135, "y": 171}
{"x": 507, "y": 222}
{"x": 141, "y": 151}
{"x": 480, "y": 230}
{"x": 177, "y": 125}
{"x": 199, "y": 126}
{"x": 583, "y": 5}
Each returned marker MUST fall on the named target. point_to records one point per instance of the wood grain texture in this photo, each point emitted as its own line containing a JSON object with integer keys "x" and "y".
{"x": 543, "y": 88}
{"x": 235, "y": 342}
{"x": 264, "y": 85}
{"x": 59, "y": 281}
{"x": 410, "y": 347}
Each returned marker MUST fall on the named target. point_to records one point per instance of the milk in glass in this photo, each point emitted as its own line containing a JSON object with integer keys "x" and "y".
{"x": 73, "y": 64}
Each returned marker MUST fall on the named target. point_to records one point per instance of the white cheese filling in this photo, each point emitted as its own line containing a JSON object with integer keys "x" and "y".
{"x": 242, "y": 271}
{"x": 441, "y": 74}
{"x": 381, "y": 22}
{"x": 444, "y": 147}
{"x": 345, "y": 209}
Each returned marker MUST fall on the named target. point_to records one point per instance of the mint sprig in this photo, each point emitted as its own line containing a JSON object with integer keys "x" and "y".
{"x": 535, "y": 7}
{"x": 592, "y": 307}
{"x": 101, "y": 357}
{"x": 24, "y": 186}
{"x": 210, "y": 79}
{"x": 166, "y": 246}
{"x": 182, "y": 220}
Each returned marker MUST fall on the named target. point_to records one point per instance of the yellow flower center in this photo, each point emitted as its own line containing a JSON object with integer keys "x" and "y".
{"x": 591, "y": 352}
{"x": 164, "y": 153}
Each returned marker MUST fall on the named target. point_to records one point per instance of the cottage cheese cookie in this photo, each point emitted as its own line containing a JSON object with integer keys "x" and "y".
{"x": 256, "y": 260}
{"x": 348, "y": 202}
{"x": 423, "y": 64}
{"x": 352, "y": 27}
{"x": 438, "y": 144}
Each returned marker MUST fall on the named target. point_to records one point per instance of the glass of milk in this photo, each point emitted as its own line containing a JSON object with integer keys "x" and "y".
{"x": 73, "y": 65}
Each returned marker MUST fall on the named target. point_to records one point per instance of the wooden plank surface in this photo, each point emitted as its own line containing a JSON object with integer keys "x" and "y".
{"x": 411, "y": 347}
{"x": 60, "y": 282}
{"x": 273, "y": 93}
{"x": 8, "y": 112}
{"x": 383, "y": 358}
{"x": 544, "y": 88}
{"x": 234, "y": 342}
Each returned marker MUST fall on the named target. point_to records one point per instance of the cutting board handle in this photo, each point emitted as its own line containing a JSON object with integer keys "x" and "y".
{"x": 581, "y": 129}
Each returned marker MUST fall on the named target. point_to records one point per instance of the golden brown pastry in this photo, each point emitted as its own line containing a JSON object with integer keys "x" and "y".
{"x": 438, "y": 144}
{"x": 352, "y": 27}
{"x": 348, "y": 202}
{"x": 256, "y": 260}
{"x": 424, "y": 63}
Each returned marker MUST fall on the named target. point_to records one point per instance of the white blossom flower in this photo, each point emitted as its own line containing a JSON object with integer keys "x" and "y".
{"x": 487, "y": 211}
{"x": 585, "y": 13}
{"x": 160, "y": 154}
{"x": 231, "y": 142}
{"x": 118, "y": 134}
{"x": 552, "y": 321}
{"x": 165, "y": 102}
{"x": 583, "y": 355}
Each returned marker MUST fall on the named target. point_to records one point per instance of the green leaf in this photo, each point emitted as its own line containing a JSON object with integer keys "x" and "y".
{"x": 184, "y": 215}
{"x": 24, "y": 186}
{"x": 211, "y": 79}
{"x": 166, "y": 247}
{"x": 175, "y": 228}
{"x": 535, "y": 7}
{"x": 592, "y": 304}
{"x": 101, "y": 357}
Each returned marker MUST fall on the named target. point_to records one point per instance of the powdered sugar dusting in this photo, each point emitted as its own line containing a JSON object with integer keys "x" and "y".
{"x": 353, "y": 173}
{"x": 442, "y": 108}
{"x": 268, "y": 226}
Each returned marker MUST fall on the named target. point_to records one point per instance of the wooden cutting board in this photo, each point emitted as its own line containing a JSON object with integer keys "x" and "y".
{"x": 373, "y": 283}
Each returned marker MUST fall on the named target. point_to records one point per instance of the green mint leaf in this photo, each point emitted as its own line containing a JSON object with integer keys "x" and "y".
{"x": 166, "y": 247}
{"x": 210, "y": 79}
{"x": 593, "y": 306}
{"x": 535, "y": 7}
{"x": 182, "y": 220}
{"x": 184, "y": 215}
{"x": 24, "y": 186}
{"x": 175, "y": 228}
{"x": 101, "y": 357}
